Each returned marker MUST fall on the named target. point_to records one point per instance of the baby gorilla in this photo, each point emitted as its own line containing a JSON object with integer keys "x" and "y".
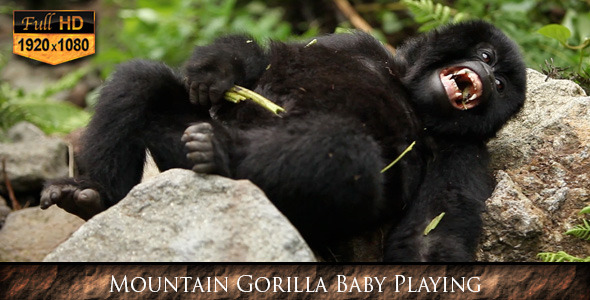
{"x": 351, "y": 108}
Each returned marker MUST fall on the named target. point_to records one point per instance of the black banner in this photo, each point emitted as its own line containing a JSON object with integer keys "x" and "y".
{"x": 99, "y": 281}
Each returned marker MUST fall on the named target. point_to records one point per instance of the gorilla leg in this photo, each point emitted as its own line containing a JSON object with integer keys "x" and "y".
{"x": 144, "y": 104}
{"x": 322, "y": 172}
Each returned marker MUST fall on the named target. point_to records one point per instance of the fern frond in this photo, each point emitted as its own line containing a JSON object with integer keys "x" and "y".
{"x": 581, "y": 231}
{"x": 9, "y": 115}
{"x": 54, "y": 116}
{"x": 49, "y": 116}
{"x": 432, "y": 15}
{"x": 560, "y": 256}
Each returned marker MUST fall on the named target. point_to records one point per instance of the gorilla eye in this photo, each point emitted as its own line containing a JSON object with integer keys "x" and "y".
{"x": 499, "y": 85}
{"x": 486, "y": 57}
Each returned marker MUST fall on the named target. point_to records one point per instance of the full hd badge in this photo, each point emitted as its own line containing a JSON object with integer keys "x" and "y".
{"x": 53, "y": 36}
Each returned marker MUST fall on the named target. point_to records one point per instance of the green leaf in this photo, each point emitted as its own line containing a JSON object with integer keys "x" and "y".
{"x": 585, "y": 210}
{"x": 391, "y": 23}
{"x": 433, "y": 223}
{"x": 344, "y": 30}
{"x": 556, "y": 31}
{"x": 460, "y": 17}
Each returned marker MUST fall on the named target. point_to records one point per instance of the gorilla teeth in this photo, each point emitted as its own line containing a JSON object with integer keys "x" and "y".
{"x": 463, "y": 87}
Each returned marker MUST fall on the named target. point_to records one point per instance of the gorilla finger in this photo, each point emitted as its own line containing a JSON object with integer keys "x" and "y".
{"x": 198, "y": 137}
{"x": 198, "y": 146}
{"x": 202, "y": 127}
{"x": 54, "y": 194}
{"x": 200, "y": 156}
{"x": 205, "y": 168}
{"x": 199, "y": 132}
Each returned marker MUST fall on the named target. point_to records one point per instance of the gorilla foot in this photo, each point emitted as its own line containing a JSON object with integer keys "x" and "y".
{"x": 198, "y": 141}
{"x": 84, "y": 203}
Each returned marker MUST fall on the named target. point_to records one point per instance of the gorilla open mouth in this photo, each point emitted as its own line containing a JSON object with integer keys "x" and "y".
{"x": 463, "y": 87}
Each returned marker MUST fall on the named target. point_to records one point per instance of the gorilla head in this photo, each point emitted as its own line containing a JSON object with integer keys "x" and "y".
{"x": 466, "y": 79}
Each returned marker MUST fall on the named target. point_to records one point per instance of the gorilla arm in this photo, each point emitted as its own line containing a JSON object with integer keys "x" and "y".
{"x": 457, "y": 183}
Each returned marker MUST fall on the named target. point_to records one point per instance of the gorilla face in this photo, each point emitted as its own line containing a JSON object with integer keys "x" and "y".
{"x": 465, "y": 80}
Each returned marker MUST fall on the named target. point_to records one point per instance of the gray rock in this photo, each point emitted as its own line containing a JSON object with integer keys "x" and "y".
{"x": 513, "y": 224}
{"x": 32, "y": 158}
{"x": 555, "y": 112}
{"x": 182, "y": 216}
{"x": 544, "y": 155}
{"x": 24, "y": 131}
{"x": 4, "y": 211}
{"x": 30, "y": 234}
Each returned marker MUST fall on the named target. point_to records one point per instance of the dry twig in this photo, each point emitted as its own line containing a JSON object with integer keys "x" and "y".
{"x": 15, "y": 204}
{"x": 356, "y": 20}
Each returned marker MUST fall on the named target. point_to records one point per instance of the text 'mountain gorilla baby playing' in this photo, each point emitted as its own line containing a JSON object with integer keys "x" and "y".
{"x": 351, "y": 109}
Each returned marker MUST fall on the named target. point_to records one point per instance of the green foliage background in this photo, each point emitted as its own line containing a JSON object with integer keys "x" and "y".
{"x": 168, "y": 31}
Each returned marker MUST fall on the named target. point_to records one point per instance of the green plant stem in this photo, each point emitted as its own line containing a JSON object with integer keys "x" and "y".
{"x": 581, "y": 61}
{"x": 580, "y": 46}
{"x": 238, "y": 93}
{"x": 399, "y": 157}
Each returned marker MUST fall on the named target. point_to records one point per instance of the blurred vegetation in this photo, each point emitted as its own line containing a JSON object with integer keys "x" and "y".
{"x": 169, "y": 30}
{"x": 37, "y": 107}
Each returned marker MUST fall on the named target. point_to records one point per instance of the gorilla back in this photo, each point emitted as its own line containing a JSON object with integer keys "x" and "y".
{"x": 351, "y": 108}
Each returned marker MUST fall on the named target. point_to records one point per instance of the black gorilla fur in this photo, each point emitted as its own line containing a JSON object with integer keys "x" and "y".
{"x": 351, "y": 108}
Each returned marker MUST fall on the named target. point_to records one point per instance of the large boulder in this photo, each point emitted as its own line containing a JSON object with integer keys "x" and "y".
{"x": 544, "y": 158}
{"x": 183, "y": 216}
